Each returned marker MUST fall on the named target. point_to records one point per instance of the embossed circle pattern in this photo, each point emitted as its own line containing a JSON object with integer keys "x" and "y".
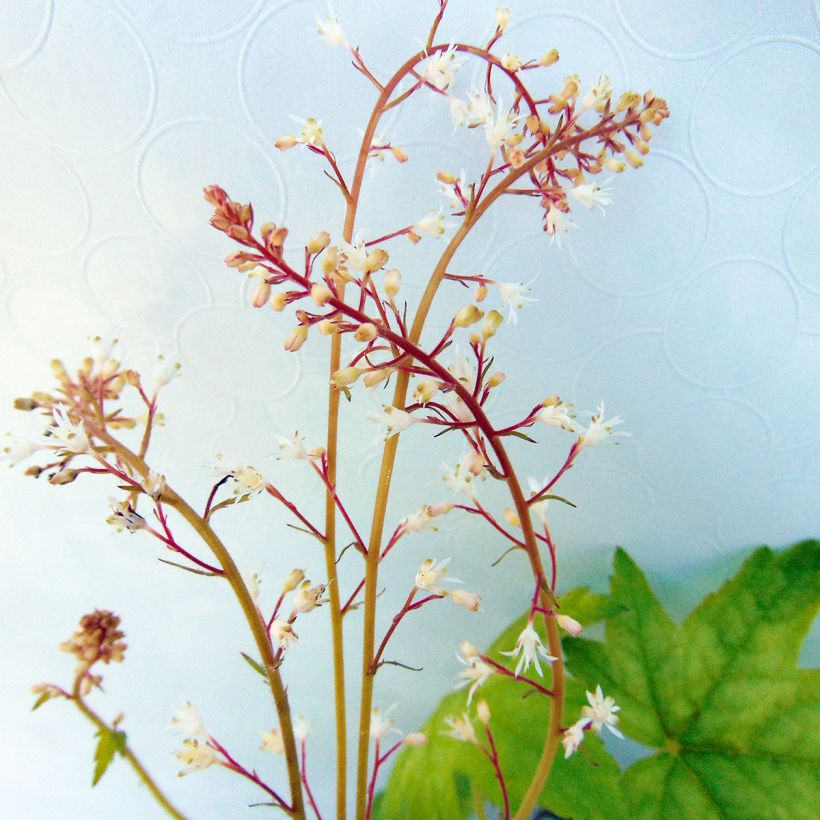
{"x": 97, "y": 102}
{"x": 659, "y": 222}
{"x": 23, "y": 27}
{"x": 800, "y": 236}
{"x": 712, "y": 334}
{"x": 761, "y": 96}
{"x": 185, "y": 156}
{"x": 50, "y": 213}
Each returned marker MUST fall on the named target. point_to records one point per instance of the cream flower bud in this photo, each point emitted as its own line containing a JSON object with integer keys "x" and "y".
{"x": 425, "y": 391}
{"x": 295, "y": 577}
{"x": 278, "y": 302}
{"x": 327, "y": 327}
{"x": 468, "y": 650}
{"x": 366, "y": 332}
{"x": 377, "y": 259}
{"x": 483, "y": 712}
{"x": 319, "y": 242}
{"x": 615, "y": 165}
{"x": 320, "y": 294}
{"x": 511, "y": 517}
{"x": 468, "y": 315}
{"x": 480, "y": 293}
{"x": 492, "y": 321}
{"x": 346, "y": 376}
{"x": 261, "y": 294}
{"x": 273, "y": 742}
{"x": 502, "y": 18}
{"x": 307, "y": 598}
{"x": 634, "y": 159}
{"x": 550, "y": 58}
{"x": 569, "y": 624}
{"x": 296, "y": 338}
{"x": 495, "y": 380}
{"x": 154, "y": 485}
{"x": 376, "y": 377}
{"x": 415, "y": 739}
{"x": 469, "y": 600}
{"x": 392, "y": 282}
{"x": 283, "y": 143}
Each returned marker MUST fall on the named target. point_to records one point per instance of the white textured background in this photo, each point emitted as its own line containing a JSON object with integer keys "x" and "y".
{"x": 693, "y": 308}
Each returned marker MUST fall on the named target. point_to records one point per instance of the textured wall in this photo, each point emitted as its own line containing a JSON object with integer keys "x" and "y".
{"x": 693, "y": 308}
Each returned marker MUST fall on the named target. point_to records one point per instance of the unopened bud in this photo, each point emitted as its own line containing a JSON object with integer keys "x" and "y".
{"x": 278, "y": 301}
{"x": 296, "y": 338}
{"x": 366, "y": 332}
{"x": 398, "y": 154}
{"x": 63, "y": 477}
{"x": 377, "y": 259}
{"x": 293, "y": 580}
{"x": 642, "y": 146}
{"x": 475, "y": 340}
{"x": 492, "y": 321}
{"x": 328, "y": 327}
{"x": 468, "y": 315}
{"x": 392, "y": 282}
{"x": 615, "y": 165}
{"x": 468, "y": 650}
{"x": 446, "y": 177}
{"x": 346, "y": 376}
{"x": 511, "y": 517}
{"x": 26, "y": 404}
{"x": 634, "y": 159}
{"x": 375, "y": 377}
{"x": 480, "y": 293}
{"x": 320, "y": 294}
{"x": 283, "y": 143}
{"x": 425, "y": 391}
{"x": 495, "y": 380}
{"x": 58, "y": 370}
{"x": 319, "y": 242}
{"x": 415, "y": 739}
{"x": 502, "y": 18}
{"x": 569, "y": 624}
{"x": 277, "y": 238}
{"x": 469, "y": 600}
{"x": 261, "y": 294}
{"x": 483, "y": 712}
{"x": 550, "y": 58}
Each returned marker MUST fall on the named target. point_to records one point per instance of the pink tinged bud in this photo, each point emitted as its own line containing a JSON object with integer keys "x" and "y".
{"x": 469, "y": 600}
{"x": 442, "y": 508}
{"x": 278, "y": 302}
{"x": 283, "y": 143}
{"x": 398, "y": 154}
{"x": 366, "y": 332}
{"x": 296, "y": 338}
{"x": 261, "y": 294}
{"x": 415, "y": 739}
{"x": 483, "y": 712}
{"x": 321, "y": 294}
{"x": 569, "y": 624}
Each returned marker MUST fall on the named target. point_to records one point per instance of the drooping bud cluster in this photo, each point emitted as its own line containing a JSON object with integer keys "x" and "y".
{"x": 99, "y": 639}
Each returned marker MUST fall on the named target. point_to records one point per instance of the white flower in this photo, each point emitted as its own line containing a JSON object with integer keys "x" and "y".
{"x": 197, "y": 756}
{"x": 529, "y": 647}
{"x": 311, "y": 133}
{"x": 600, "y": 430}
{"x": 432, "y": 574}
{"x": 513, "y": 295}
{"x": 512, "y": 62}
{"x": 500, "y": 129}
{"x": 249, "y": 481}
{"x": 433, "y": 224}
{"x": 187, "y": 721}
{"x": 599, "y": 93}
{"x": 394, "y": 421}
{"x": 557, "y": 224}
{"x": 479, "y": 108}
{"x": 307, "y": 598}
{"x": 556, "y": 413}
{"x": 166, "y": 369}
{"x": 461, "y": 728}
{"x": 471, "y": 601}
{"x": 292, "y": 447}
{"x": 458, "y": 112}
{"x": 154, "y": 484}
{"x": 440, "y": 69}
{"x": 282, "y": 632}
{"x": 101, "y": 350}
{"x": 423, "y": 518}
{"x": 330, "y": 29}
{"x": 302, "y": 727}
{"x": 356, "y": 254}
{"x": 125, "y": 517}
{"x": 381, "y": 724}
{"x": 475, "y": 674}
{"x": 18, "y": 449}
{"x": 273, "y": 742}
{"x": 602, "y": 712}
{"x": 70, "y": 437}
{"x": 572, "y": 738}
{"x": 459, "y": 479}
{"x": 254, "y": 584}
{"x": 463, "y": 369}
{"x": 502, "y": 17}
{"x": 591, "y": 196}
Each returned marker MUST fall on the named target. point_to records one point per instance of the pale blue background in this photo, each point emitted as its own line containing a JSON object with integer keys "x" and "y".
{"x": 693, "y": 308}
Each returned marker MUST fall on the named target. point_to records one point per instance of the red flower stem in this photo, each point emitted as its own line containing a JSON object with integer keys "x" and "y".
{"x": 276, "y": 610}
{"x": 501, "y": 669}
{"x": 396, "y": 621}
{"x": 498, "y": 773}
{"x": 309, "y": 793}
{"x": 274, "y": 493}
{"x": 479, "y": 510}
{"x": 393, "y": 235}
{"x": 371, "y": 789}
{"x": 234, "y": 766}
{"x": 397, "y": 534}
{"x": 322, "y": 473}
{"x": 212, "y": 496}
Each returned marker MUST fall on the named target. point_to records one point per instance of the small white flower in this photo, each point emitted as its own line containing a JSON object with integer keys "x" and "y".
{"x": 302, "y": 727}
{"x": 423, "y": 518}
{"x": 479, "y": 109}
{"x": 572, "y": 738}
{"x": 600, "y": 430}
{"x": 458, "y": 111}
{"x": 311, "y": 133}
{"x": 356, "y": 254}
{"x": 393, "y": 420}
{"x": 432, "y": 574}
{"x": 381, "y": 724}
{"x": 558, "y": 224}
{"x": 282, "y": 632}
{"x": 512, "y": 62}
{"x": 602, "y": 712}
{"x": 591, "y": 196}
{"x": 459, "y": 479}
{"x": 433, "y": 224}
{"x": 101, "y": 350}
{"x": 440, "y": 69}
{"x": 557, "y": 413}
{"x": 166, "y": 369}
{"x": 273, "y": 742}
{"x": 187, "y": 721}
{"x": 125, "y": 517}
{"x": 254, "y": 584}
{"x": 68, "y": 436}
{"x": 499, "y": 130}
{"x": 599, "y": 93}
{"x": 307, "y": 598}
{"x": 196, "y": 755}
{"x": 512, "y": 293}
{"x": 18, "y": 449}
{"x": 292, "y": 447}
{"x": 154, "y": 484}
{"x": 475, "y": 674}
{"x": 249, "y": 481}
{"x": 330, "y": 29}
{"x": 529, "y": 647}
{"x": 461, "y": 728}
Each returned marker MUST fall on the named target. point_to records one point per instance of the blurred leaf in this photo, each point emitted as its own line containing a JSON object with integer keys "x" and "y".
{"x": 108, "y": 745}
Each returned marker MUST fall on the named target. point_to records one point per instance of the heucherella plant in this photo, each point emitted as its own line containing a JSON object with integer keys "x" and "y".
{"x": 545, "y": 137}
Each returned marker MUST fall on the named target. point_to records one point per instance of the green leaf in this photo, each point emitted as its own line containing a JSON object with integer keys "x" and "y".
{"x": 734, "y": 721}
{"x": 108, "y": 745}
{"x": 255, "y": 665}
{"x": 446, "y": 778}
{"x": 44, "y": 696}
